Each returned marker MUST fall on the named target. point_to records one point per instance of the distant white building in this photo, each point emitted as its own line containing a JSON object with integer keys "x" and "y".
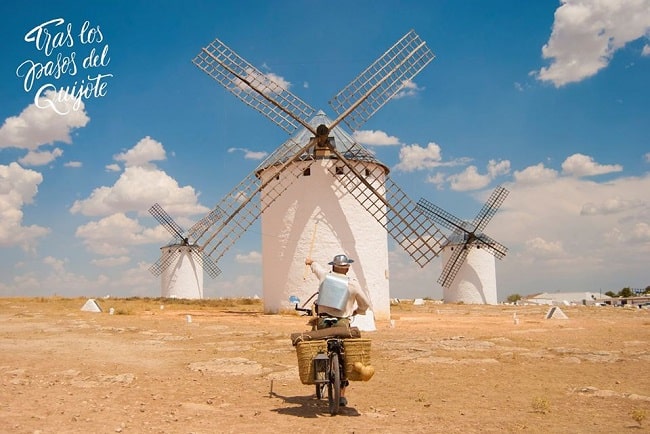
{"x": 564, "y": 298}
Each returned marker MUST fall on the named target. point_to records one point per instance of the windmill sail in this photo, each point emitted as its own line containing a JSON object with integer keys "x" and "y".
{"x": 357, "y": 102}
{"x": 466, "y": 234}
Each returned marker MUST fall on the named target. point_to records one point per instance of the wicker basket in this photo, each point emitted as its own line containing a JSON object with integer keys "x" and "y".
{"x": 306, "y": 351}
{"x": 356, "y": 350}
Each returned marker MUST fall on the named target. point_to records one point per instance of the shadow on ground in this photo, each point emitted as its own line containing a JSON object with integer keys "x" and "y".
{"x": 309, "y": 407}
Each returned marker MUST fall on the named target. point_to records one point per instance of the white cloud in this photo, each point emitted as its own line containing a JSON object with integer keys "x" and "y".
{"x": 144, "y": 152}
{"x": 248, "y": 154}
{"x": 415, "y": 157}
{"x": 612, "y": 205}
{"x": 374, "y": 138}
{"x": 113, "y": 235}
{"x": 646, "y": 50}
{"x": 535, "y": 174}
{"x": 114, "y": 167}
{"x": 252, "y": 257}
{"x": 641, "y": 232}
{"x": 580, "y": 165}
{"x": 279, "y": 80}
{"x": 646, "y": 157}
{"x": 637, "y": 234}
{"x": 54, "y": 278}
{"x": 242, "y": 284}
{"x": 40, "y": 158}
{"x": 266, "y": 82}
{"x": 409, "y": 89}
{"x": 573, "y": 232}
{"x": 471, "y": 179}
{"x": 136, "y": 190}
{"x": 73, "y": 164}
{"x": 112, "y": 261}
{"x": 586, "y": 35}
{"x": 58, "y": 265}
{"x": 468, "y": 179}
{"x": 18, "y": 187}
{"x": 140, "y": 186}
{"x": 540, "y": 248}
{"x": 35, "y": 126}
{"x": 498, "y": 168}
{"x": 437, "y": 179}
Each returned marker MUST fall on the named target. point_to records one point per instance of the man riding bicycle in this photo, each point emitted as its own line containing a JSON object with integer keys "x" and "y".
{"x": 337, "y": 296}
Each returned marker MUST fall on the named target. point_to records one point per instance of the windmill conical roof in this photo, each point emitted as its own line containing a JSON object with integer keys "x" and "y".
{"x": 343, "y": 141}
{"x": 459, "y": 236}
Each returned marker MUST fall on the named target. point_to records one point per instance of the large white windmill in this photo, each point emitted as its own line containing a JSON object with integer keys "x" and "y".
{"x": 320, "y": 193}
{"x": 327, "y": 187}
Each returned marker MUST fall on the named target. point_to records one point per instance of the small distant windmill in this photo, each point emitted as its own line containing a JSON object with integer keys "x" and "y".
{"x": 468, "y": 274}
{"x": 182, "y": 262}
{"x": 321, "y": 175}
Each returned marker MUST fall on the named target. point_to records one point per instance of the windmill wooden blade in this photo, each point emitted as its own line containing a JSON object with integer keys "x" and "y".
{"x": 166, "y": 221}
{"x": 204, "y": 224}
{"x": 378, "y": 83}
{"x": 392, "y": 208}
{"x": 208, "y": 264}
{"x": 164, "y": 261}
{"x": 490, "y": 208}
{"x": 253, "y": 87}
{"x": 242, "y": 207}
{"x": 451, "y": 222}
{"x": 453, "y": 265}
{"x": 466, "y": 235}
{"x": 443, "y": 218}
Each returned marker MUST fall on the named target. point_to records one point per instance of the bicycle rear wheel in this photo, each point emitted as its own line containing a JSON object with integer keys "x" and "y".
{"x": 334, "y": 385}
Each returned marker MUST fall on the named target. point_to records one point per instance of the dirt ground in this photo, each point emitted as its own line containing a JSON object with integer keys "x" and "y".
{"x": 232, "y": 369}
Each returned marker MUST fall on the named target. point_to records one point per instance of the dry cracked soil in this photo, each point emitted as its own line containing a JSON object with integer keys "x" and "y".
{"x": 232, "y": 369}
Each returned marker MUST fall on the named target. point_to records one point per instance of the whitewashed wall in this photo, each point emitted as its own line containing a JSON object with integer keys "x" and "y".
{"x": 183, "y": 278}
{"x": 476, "y": 281}
{"x": 319, "y": 202}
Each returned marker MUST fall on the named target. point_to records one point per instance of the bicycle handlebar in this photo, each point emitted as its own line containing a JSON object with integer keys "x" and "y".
{"x": 309, "y": 312}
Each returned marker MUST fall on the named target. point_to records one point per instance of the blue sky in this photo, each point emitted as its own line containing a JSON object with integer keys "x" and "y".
{"x": 548, "y": 98}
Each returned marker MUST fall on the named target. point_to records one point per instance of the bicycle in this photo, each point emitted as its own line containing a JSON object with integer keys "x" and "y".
{"x": 329, "y": 367}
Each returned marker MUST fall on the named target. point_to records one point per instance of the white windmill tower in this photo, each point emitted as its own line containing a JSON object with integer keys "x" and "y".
{"x": 317, "y": 217}
{"x": 469, "y": 273}
{"x": 356, "y": 203}
{"x": 182, "y": 262}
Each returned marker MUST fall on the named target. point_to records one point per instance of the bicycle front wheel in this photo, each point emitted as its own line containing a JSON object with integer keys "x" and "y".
{"x": 334, "y": 385}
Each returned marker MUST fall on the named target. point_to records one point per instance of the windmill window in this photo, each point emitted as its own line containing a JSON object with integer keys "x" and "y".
{"x": 277, "y": 177}
{"x": 306, "y": 172}
{"x": 367, "y": 173}
{"x": 339, "y": 170}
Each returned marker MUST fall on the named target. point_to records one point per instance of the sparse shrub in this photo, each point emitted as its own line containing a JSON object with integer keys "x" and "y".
{"x": 639, "y": 415}
{"x": 541, "y": 405}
